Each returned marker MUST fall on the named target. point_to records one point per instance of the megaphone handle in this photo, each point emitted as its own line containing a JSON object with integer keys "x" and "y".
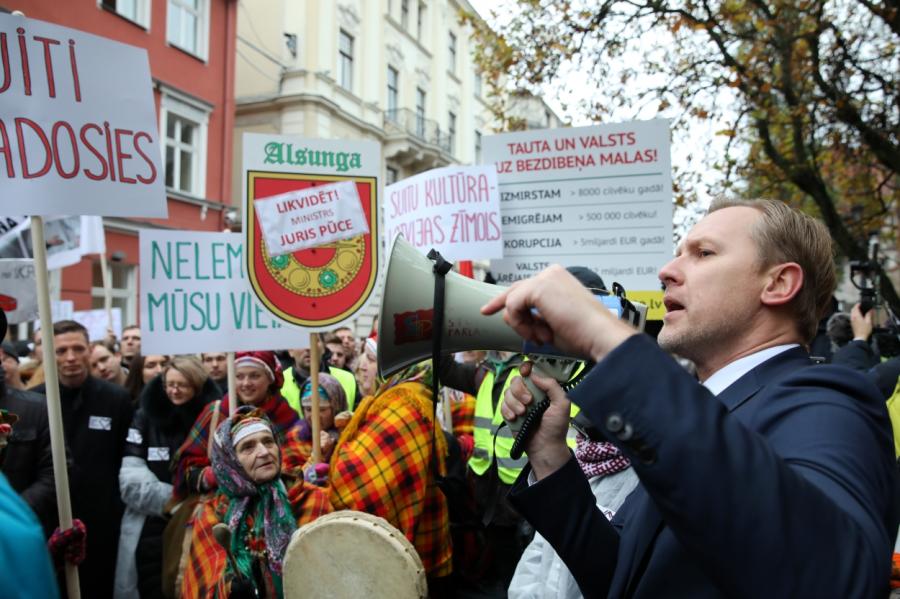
{"x": 524, "y": 427}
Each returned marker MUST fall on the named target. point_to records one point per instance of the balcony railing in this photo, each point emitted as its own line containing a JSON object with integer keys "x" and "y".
{"x": 408, "y": 121}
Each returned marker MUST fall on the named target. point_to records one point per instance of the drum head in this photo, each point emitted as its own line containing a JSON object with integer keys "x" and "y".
{"x": 351, "y": 554}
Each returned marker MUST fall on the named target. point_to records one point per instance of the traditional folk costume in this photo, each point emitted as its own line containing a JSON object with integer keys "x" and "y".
{"x": 192, "y": 459}
{"x": 261, "y": 518}
{"x": 383, "y": 465}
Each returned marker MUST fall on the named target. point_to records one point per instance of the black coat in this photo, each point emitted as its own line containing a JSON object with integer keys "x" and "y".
{"x": 157, "y": 431}
{"x": 27, "y": 461}
{"x": 859, "y": 355}
{"x": 96, "y": 417}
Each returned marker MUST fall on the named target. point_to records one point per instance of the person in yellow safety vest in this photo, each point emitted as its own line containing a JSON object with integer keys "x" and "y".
{"x": 491, "y": 470}
{"x": 295, "y": 376}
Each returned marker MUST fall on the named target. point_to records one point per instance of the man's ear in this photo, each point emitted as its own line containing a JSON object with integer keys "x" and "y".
{"x": 783, "y": 283}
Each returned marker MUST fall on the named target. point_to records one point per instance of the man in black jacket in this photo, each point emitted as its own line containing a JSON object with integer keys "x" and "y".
{"x": 27, "y": 461}
{"x": 96, "y": 415}
{"x": 859, "y": 355}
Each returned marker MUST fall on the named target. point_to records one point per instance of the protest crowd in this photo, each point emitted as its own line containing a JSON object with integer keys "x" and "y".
{"x": 159, "y": 454}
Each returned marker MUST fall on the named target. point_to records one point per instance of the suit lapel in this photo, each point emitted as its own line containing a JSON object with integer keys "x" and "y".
{"x": 646, "y": 521}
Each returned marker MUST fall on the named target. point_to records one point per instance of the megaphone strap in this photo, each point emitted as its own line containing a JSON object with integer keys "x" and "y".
{"x": 441, "y": 268}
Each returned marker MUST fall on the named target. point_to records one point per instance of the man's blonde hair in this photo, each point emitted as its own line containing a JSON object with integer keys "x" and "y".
{"x": 784, "y": 234}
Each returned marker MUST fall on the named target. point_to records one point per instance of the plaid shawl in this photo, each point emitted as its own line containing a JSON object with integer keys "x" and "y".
{"x": 382, "y": 465}
{"x": 204, "y": 574}
{"x": 192, "y": 457}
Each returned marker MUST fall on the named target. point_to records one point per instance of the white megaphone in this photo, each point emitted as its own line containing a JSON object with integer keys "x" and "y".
{"x": 405, "y": 325}
{"x": 407, "y": 313}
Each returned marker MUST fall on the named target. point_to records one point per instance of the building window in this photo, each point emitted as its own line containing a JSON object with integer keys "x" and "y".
{"x": 184, "y": 126}
{"x": 392, "y": 175}
{"x": 478, "y": 84}
{"x": 404, "y": 13}
{"x": 393, "y": 92}
{"x": 451, "y": 131}
{"x": 133, "y": 10}
{"x": 346, "y": 60}
{"x": 548, "y": 118}
{"x": 420, "y": 21}
{"x": 477, "y": 147}
{"x": 452, "y": 55}
{"x": 420, "y": 112}
{"x": 123, "y": 289}
{"x": 187, "y": 26}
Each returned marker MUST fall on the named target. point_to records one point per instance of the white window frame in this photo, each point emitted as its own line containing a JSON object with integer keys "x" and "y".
{"x": 421, "y": 98}
{"x": 203, "y": 18}
{"x": 391, "y": 175}
{"x": 128, "y": 294}
{"x": 404, "y": 14}
{"x": 182, "y": 107}
{"x": 141, "y": 12}
{"x": 452, "y": 48}
{"x": 478, "y": 143}
{"x": 451, "y": 131}
{"x": 345, "y": 61}
{"x": 421, "y": 16}
{"x": 393, "y": 92}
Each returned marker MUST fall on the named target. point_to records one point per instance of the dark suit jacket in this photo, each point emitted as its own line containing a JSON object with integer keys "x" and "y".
{"x": 784, "y": 485}
{"x": 28, "y": 462}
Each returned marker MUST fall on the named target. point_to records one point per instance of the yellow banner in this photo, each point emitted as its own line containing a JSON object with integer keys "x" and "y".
{"x": 653, "y": 300}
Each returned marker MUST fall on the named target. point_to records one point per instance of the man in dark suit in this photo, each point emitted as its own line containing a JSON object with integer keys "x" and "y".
{"x": 770, "y": 478}
{"x": 96, "y": 415}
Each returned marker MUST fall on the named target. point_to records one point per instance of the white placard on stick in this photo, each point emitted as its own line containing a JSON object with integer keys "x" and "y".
{"x": 599, "y": 197}
{"x": 78, "y": 122}
{"x": 195, "y": 297}
{"x": 18, "y": 291}
{"x": 455, "y": 210}
{"x": 97, "y": 322}
{"x": 310, "y": 217}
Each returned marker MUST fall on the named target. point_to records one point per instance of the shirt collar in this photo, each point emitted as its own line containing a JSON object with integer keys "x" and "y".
{"x": 725, "y": 376}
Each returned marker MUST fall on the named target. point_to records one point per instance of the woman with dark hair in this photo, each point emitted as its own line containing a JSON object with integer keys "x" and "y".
{"x": 169, "y": 404}
{"x": 262, "y": 506}
{"x": 141, "y": 371}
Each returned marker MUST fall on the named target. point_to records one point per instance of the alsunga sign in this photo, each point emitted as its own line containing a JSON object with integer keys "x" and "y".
{"x": 318, "y": 287}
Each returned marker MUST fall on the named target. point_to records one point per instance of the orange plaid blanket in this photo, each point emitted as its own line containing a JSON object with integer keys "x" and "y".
{"x": 382, "y": 465}
{"x": 203, "y": 574}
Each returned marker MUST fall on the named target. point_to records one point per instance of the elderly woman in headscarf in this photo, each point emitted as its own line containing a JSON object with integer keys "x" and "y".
{"x": 259, "y": 379}
{"x": 332, "y": 406}
{"x": 260, "y": 503}
{"x": 169, "y": 404}
{"x": 393, "y": 442}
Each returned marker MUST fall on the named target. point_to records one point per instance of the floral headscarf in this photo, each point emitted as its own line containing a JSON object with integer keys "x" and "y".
{"x": 272, "y": 517}
{"x": 330, "y": 390}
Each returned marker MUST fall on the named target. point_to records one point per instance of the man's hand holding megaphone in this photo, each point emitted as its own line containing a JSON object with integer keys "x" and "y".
{"x": 553, "y": 307}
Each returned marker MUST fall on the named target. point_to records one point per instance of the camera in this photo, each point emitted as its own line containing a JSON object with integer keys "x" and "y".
{"x": 865, "y": 276}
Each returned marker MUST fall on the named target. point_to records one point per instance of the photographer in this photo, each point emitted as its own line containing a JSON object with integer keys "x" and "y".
{"x": 860, "y": 355}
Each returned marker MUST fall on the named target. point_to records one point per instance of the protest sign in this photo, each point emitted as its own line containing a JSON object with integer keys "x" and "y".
{"x": 599, "y": 197}
{"x": 97, "y": 322}
{"x": 69, "y": 238}
{"x": 18, "y": 293}
{"x": 77, "y": 123}
{"x": 195, "y": 298}
{"x": 307, "y": 218}
{"x": 318, "y": 287}
{"x": 455, "y": 210}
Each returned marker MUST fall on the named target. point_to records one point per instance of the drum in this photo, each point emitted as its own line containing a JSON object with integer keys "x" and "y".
{"x": 349, "y": 555}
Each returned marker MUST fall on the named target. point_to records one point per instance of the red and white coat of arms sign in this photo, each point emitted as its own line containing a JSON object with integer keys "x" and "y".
{"x": 319, "y": 287}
